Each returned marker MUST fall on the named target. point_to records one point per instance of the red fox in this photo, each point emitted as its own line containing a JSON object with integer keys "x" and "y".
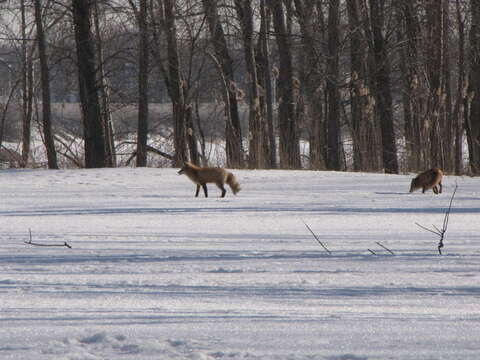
{"x": 202, "y": 176}
{"x": 428, "y": 180}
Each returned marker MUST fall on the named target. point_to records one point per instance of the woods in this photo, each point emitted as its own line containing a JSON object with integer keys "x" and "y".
{"x": 348, "y": 85}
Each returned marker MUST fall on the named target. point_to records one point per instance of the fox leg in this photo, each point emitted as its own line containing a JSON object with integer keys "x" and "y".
{"x": 198, "y": 190}
{"x": 220, "y": 186}
{"x": 435, "y": 189}
{"x": 204, "y": 186}
{"x": 440, "y": 187}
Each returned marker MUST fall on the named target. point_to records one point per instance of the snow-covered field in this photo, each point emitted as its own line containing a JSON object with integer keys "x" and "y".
{"x": 155, "y": 273}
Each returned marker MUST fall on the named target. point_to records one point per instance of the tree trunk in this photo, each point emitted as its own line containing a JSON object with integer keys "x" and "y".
{"x": 27, "y": 89}
{"x": 265, "y": 78}
{"x": 176, "y": 88}
{"x": 289, "y": 144}
{"x": 383, "y": 89}
{"x": 110, "y": 156}
{"x": 257, "y": 156}
{"x": 459, "y": 111}
{"x": 332, "y": 92}
{"x": 143, "y": 60}
{"x": 447, "y": 130}
{"x": 311, "y": 80}
{"x": 414, "y": 91}
{"x": 436, "y": 80}
{"x": 473, "y": 118}
{"x": 363, "y": 133}
{"x": 92, "y": 124}
{"x": 45, "y": 81}
{"x": 233, "y": 133}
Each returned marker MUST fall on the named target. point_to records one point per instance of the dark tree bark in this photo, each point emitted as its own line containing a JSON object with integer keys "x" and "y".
{"x": 45, "y": 81}
{"x": 363, "y": 129}
{"x": 473, "y": 118}
{"x": 176, "y": 84}
{"x": 289, "y": 144}
{"x": 257, "y": 155}
{"x": 264, "y": 72}
{"x": 437, "y": 70}
{"x": 311, "y": 78}
{"x": 447, "y": 134}
{"x": 92, "y": 124}
{"x": 383, "y": 92}
{"x": 332, "y": 92}
{"x": 143, "y": 60}
{"x": 414, "y": 92}
{"x": 459, "y": 110}
{"x": 176, "y": 88}
{"x": 233, "y": 134}
{"x": 107, "y": 122}
{"x": 27, "y": 89}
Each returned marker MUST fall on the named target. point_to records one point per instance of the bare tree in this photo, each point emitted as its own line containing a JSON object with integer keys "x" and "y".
{"x": 257, "y": 154}
{"x": 264, "y": 76}
{"x": 45, "y": 80}
{"x": 473, "y": 119}
{"x": 438, "y": 82}
{"x": 332, "y": 88}
{"x": 378, "y": 73}
{"x": 383, "y": 91}
{"x": 143, "y": 60}
{"x": 92, "y": 124}
{"x": 461, "y": 98}
{"x": 233, "y": 134}
{"x": 289, "y": 140}
{"x": 176, "y": 85}
{"x": 414, "y": 90}
{"x": 363, "y": 128}
{"x": 104, "y": 92}
{"x": 27, "y": 87}
{"x": 311, "y": 22}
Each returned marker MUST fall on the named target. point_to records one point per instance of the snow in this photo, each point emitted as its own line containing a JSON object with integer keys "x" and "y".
{"x": 155, "y": 273}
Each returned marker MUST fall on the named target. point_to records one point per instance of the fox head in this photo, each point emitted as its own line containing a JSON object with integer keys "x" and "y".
{"x": 184, "y": 168}
{"x": 414, "y": 185}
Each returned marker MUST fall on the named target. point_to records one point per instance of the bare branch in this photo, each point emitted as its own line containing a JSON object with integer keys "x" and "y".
{"x": 30, "y": 242}
{"x": 427, "y": 229}
{"x": 151, "y": 149}
{"x": 379, "y": 244}
{"x": 441, "y": 232}
{"x": 316, "y": 238}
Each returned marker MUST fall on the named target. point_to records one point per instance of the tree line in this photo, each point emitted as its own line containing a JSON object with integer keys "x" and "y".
{"x": 363, "y": 85}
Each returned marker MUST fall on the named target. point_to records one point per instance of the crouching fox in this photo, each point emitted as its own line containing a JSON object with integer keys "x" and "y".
{"x": 201, "y": 176}
{"x": 430, "y": 179}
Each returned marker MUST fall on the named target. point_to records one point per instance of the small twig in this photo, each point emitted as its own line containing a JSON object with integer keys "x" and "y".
{"x": 316, "y": 238}
{"x": 447, "y": 215}
{"x": 437, "y": 229}
{"x": 379, "y": 244}
{"x": 372, "y": 252}
{"x": 30, "y": 242}
{"x": 439, "y": 233}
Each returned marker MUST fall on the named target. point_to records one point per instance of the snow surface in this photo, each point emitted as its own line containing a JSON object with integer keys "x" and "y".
{"x": 155, "y": 273}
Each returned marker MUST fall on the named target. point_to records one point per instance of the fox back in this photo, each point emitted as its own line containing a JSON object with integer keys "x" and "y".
{"x": 430, "y": 179}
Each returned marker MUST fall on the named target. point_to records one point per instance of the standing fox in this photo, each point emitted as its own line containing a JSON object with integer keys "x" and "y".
{"x": 428, "y": 180}
{"x": 202, "y": 176}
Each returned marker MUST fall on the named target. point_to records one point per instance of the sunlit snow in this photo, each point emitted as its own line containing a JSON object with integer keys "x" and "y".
{"x": 155, "y": 273}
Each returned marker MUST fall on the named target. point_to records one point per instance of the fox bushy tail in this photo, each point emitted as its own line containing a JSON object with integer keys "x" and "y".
{"x": 233, "y": 183}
